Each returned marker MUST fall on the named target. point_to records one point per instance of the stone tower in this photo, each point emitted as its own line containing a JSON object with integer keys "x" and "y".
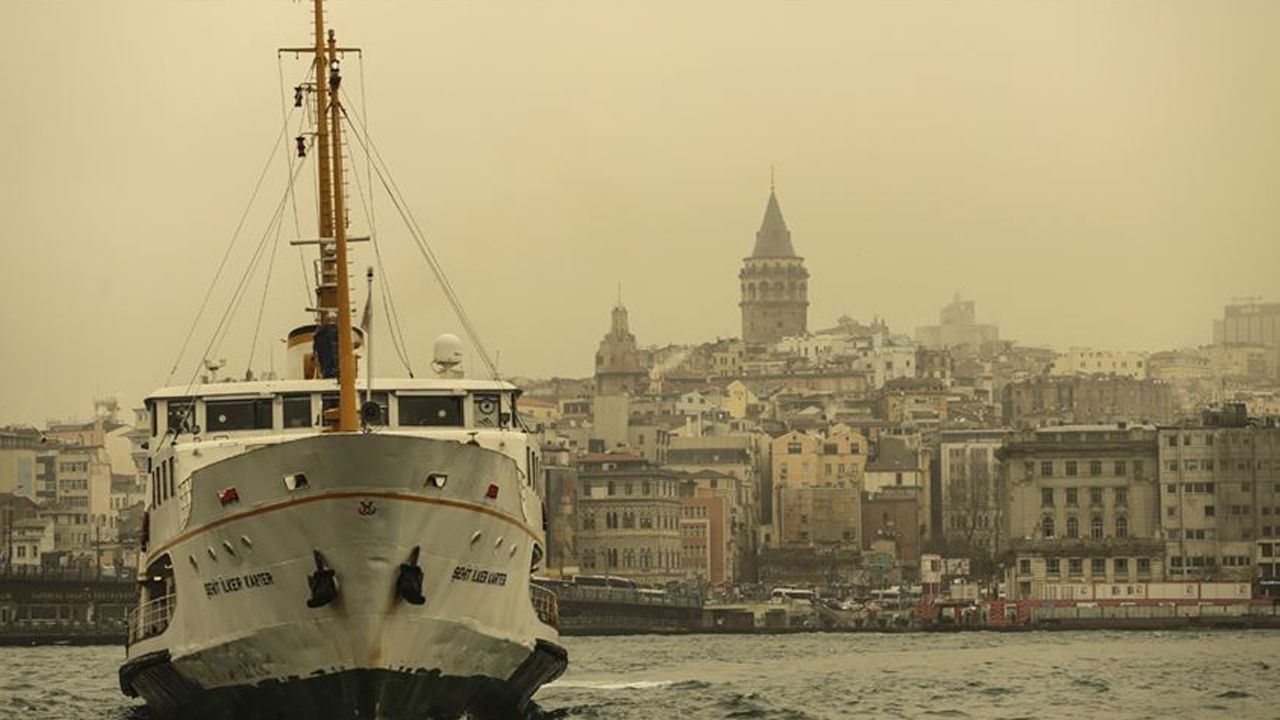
{"x": 619, "y": 363}
{"x": 775, "y": 284}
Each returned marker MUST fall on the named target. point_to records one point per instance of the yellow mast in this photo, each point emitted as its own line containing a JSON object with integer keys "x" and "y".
{"x": 333, "y": 293}
{"x": 347, "y": 418}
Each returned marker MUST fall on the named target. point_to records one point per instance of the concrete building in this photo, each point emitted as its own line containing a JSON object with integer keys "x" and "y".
{"x": 970, "y": 491}
{"x": 619, "y": 365}
{"x": 774, "y": 283}
{"x": 629, "y": 519}
{"x": 1082, "y": 506}
{"x": 957, "y": 327}
{"x": 1248, "y": 323}
{"x": 1221, "y": 497}
{"x": 1080, "y": 399}
{"x": 1088, "y": 361}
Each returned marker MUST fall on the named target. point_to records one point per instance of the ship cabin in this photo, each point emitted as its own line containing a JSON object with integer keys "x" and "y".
{"x": 227, "y": 418}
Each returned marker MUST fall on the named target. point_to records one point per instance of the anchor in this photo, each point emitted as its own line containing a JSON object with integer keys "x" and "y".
{"x": 409, "y": 580}
{"x": 324, "y": 585}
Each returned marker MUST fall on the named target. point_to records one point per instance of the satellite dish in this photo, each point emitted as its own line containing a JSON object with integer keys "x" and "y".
{"x": 447, "y": 353}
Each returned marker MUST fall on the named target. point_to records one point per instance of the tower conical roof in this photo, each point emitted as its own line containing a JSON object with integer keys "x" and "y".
{"x": 773, "y": 238}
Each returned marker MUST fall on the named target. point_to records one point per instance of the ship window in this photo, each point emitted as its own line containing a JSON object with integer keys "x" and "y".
{"x": 428, "y": 410}
{"x": 155, "y": 419}
{"x": 297, "y": 411}
{"x": 180, "y": 416}
{"x": 252, "y": 414}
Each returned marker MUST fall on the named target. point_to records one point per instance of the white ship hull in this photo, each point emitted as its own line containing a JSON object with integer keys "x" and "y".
{"x": 241, "y": 639}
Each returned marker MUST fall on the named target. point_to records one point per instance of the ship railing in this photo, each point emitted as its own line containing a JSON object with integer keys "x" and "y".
{"x": 545, "y": 605}
{"x": 151, "y": 618}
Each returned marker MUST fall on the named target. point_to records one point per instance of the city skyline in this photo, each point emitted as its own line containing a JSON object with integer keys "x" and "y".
{"x": 1116, "y": 197}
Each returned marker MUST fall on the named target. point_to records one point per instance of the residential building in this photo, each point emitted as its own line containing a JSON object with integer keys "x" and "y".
{"x": 817, "y": 486}
{"x": 708, "y": 548}
{"x": 774, "y": 283}
{"x": 1221, "y": 496}
{"x": 1082, "y": 506}
{"x": 970, "y": 491}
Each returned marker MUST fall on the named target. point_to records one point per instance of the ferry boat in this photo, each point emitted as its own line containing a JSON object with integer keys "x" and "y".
{"x": 309, "y": 555}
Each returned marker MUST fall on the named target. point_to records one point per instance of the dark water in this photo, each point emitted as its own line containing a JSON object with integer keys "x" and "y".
{"x": 973, "y": 675}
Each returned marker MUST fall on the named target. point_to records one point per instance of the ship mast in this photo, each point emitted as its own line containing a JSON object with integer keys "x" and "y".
{"x": 333, "y": 293}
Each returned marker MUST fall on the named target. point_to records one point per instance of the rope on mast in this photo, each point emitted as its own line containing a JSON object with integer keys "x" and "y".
{"x": 424, "y": 248}
{"x": 384, "y": 288}
{"x": 235, "y": 236}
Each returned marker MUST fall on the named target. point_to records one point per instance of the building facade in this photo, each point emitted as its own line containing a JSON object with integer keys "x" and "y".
{"x": 629, "y": 519}
{"x": 1082, "y": 506}
{"x": 971, "y": 500}
{"x": 1220, "y": 499}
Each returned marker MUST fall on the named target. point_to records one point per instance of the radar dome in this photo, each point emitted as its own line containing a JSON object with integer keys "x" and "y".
{"x": 448, "y": 351}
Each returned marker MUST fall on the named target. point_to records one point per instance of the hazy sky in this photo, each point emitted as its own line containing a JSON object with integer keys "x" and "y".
{"x": 1101, "y": 173}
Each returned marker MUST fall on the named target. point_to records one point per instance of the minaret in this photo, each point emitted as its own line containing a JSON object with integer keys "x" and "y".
{"x": 775, "y": 283}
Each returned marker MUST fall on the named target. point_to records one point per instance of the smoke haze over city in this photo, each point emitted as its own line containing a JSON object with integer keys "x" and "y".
{"x": 1098, "y": 174}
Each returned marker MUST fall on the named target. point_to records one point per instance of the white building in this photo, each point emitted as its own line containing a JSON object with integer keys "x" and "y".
{"x": 1087, "y": 361}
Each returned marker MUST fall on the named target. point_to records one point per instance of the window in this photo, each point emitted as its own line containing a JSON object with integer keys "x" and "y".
{"x": 1073, "y": 527}
{"x": 1046, "y": 497}
{"x": 1119, "y": 468}
{"x": 1073, "y": 497}
{"x": 1024, "y": 566}
{"x": 1121, "y": 565}
{"x": 1095, "y": 496}
{"x": 223, "y": 415}
{"x": 1095, "y": 527}
{"x": 1075, "y": 566}
{"x": 1122, "y": 497}
{"x": 297, "y": 411}
{"x": 1098, "y": 566}
{"x": 430, "y": 411}
{"x": 1052, "y": 566}
{"x": 1138, "y": 468}
{"x": 1046, "y": 526}
{"x": 1095, "y": 467}
{"x": 181, "y": 416}
{"x": 1046, "y": 468}
{"x": 1071, "y": 468}
{"x": 1144, "y": 566}
{"x": 1173, "y": 441}
{"x": 1029, "y": 468}
{"x": 646, "y": 490}
{"x": 1209, "y": 511}
{"x": 612, "y": 488}
{"x": 1122, "y": 527}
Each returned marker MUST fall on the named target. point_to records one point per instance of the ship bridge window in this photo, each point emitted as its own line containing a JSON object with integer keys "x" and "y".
{"x": 297, "y": 411}
{"x": 247, "y": 414}
{"x": 180, "y": 416}
{"x": 430, "y": 410}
